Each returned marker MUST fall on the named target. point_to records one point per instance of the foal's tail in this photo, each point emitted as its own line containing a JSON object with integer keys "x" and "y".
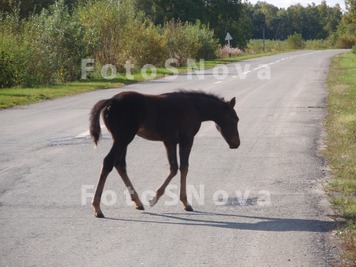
{"x": 95, "y": 129}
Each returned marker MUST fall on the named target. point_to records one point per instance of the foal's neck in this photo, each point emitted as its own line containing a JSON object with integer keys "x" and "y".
{"x": 209, "y": 108}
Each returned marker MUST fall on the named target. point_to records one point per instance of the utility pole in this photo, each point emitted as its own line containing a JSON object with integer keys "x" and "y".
{"x": 275, "y": 37}
{"x": 264, "y": 37}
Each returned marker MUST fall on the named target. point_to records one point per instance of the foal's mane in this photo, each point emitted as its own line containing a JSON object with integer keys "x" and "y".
{"x": 199, "y": 93}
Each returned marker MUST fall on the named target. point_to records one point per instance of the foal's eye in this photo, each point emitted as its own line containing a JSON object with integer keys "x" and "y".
{"x": 235, "y": 118}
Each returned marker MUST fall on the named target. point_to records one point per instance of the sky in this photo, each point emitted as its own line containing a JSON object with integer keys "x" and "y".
{"x": 287, "y": 3}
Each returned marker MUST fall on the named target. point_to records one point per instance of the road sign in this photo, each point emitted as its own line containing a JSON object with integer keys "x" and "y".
{"x": 228, "y": 38}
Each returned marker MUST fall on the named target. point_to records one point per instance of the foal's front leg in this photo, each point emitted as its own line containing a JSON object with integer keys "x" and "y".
{"x": 184, "y": 151}
{"x": 171, "y": 149}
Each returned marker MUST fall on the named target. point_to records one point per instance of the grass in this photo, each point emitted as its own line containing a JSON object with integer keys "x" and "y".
{"x": 16, "y": 96}
{"x": 10, "y": 97}
{"x": 341, "y": 145}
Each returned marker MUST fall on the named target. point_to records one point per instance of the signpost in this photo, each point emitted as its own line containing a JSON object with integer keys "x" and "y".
{"x": 228, "y": 38}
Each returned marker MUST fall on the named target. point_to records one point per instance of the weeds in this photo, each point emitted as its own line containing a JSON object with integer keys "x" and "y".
{"x": 227, "y": 51}
{"x": 341, "y": 145}
{"x": 257, "y": 46}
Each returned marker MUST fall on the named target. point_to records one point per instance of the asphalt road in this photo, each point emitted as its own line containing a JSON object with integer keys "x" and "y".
{"x": 260, "y": 205}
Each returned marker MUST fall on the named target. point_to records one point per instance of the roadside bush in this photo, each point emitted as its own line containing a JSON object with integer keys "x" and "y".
{"x": 318, "y": 44}
{"x": 150, "y": 47}
{"x": 205, "y": 37}
{"x": 295, "y": 41}
{"x": 179, "y": 47}
{"x": 346, "y": 32}
{"x": 8, "y": 66}
{"x": 100, "y": 20}
{"x": 116, "y": 34}
{"x": 48, "y": 47}
{"x": 189, "y": 41}
{"x": 126, "y": 35}
{"x": 14, "y": 52}
{"x": 346, "y": 41}
{"x": 56, "y": 40}
{"x": 7, "y": 70}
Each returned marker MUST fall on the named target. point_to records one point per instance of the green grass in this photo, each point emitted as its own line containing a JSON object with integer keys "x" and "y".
{"x": 341, "y": 145}
{"x": 10, "y": 97}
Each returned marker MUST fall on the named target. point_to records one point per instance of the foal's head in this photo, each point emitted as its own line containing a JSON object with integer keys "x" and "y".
{"x": 227, "y": 124}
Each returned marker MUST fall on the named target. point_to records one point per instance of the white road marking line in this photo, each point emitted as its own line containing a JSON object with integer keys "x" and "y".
{"x": 87, "y": 133}
{"x": 82, "y": 135}
{"x": 268, "y": 64}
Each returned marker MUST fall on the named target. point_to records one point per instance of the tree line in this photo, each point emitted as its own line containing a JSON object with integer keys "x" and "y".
{"x": 243, "y": 20}
{"x": 312, "y": 22}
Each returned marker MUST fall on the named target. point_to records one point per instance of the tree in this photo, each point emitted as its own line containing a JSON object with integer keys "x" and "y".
{"x": 220, "y": 15}
{"x": 31, "y": 7}
{"x": 313, "y": 21}
{"x": 161, "y": 11}
{"x": 225, "y": 16}
{"x": 330, "y": 17}
{"x": 346, "y": 33}
{"x": 350, "y": 16}
{"x": 284, "y": 27}
{"x": 312, "y": 26}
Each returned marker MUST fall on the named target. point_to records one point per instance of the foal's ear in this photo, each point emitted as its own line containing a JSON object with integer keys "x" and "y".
{"x": 232, "y": 102}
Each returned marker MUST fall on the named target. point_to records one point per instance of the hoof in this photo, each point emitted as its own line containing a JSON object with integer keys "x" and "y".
{"x": 99, "y": 215}
{"x": 153, "y": 201}
{"x": 140, "y": 207}
{"x": 188, "y": 208}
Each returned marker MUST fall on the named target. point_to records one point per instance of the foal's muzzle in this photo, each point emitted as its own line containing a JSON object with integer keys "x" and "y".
{"x": 235, "y": 145}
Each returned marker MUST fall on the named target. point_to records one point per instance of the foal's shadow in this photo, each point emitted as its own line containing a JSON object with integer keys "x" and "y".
{"x": 231, "y": 221}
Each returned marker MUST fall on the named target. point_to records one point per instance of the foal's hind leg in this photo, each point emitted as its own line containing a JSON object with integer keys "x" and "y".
{"x": 117, "y": 152}
{"x": 171, "y": 149}
{"x": 98, "y": 191}
{"x": 121, "y": 168}
{"x": 108, "y": 165}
